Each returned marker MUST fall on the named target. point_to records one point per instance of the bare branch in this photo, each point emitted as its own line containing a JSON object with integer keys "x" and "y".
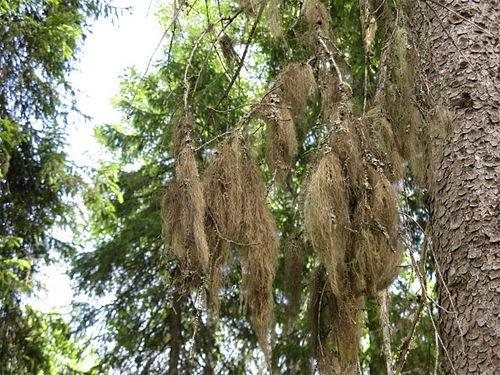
{"x": 241, "y": 63}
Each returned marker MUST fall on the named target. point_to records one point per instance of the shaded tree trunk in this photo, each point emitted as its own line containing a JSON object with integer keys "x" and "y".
{"x": 462, "y": 39}
{"x": 175, "y": 332}
{"x": 376, "y": 342}
{"x": 210, "y": 346}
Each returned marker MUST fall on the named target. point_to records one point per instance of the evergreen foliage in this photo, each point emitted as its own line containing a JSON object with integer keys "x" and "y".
{"x": 38, "y": 43}
{"x": 275, "y": 164}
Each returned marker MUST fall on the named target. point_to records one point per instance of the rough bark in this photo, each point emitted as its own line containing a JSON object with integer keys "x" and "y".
{"x": 464, "y": 180}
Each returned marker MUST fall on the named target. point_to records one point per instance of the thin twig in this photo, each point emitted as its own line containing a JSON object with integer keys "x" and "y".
{"x": 321, "y": 38}
{"x": 436, "y": 363}
{"x": 243, "y": 122}
{"x": 227, "y": 239}
{"x": 405, "y": 347}
{"x": 174, "y": 20}
{"x": 448, "y": 293}
{"x": 441, "y": 279}
{"x": 409, "y": 338}
{"x": 319, "y": 318}
{"x": 188, "y": 65}
{"x": 364, "y": 17}
{"x": 423, "y": 282}
{"x": 429, "y": 309}
{"x": 197, "y": 320}
{"x": 241, "y": 63}
{"x": 212, "y": 47}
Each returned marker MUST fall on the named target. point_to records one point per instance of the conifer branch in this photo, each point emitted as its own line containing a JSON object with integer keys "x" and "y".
{"x": 240, "y": 64}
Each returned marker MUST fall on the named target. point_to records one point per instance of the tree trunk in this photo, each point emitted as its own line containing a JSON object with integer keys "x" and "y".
{"x": 464, "y": 46}
{"x": 175, "y": 332}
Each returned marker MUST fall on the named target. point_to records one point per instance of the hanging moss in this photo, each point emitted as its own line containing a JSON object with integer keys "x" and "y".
{"x": 281, "y": 142}
{"x": 335, "y": 325}
{"x": 274, "y": 20}
{"x": 296, "y": 83}
{"x": 351, "y": 217}
{"x": 349, "y": 206}
{"x": 377, "y": 252}
{"x": 321, "y": 310}
{"x": 288, "y": 96}
{"x": 383, "y": 144}
{"x": 317, "y": 16}
{"x": 400, "y": 104}
{"x": 236, "y": 202}
{"x": 331, "y": 105}
{"x": 249, "y": 7}
{"x": 346, "y": 329}
{"x": 326, "y": 217}
{"x": 260, "y": 257}
{"x": 183, "y": 210}
{"x": 294, "y": 263}
{"x": 222, "y": 187}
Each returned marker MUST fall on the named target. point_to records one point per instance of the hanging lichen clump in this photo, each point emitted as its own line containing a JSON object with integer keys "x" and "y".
{"x": 335, "y": 324}
{"x": 351, "y": 218}
{"x": 377, "y": 252}
{"x": 274, "y": 20}
{"x": 235, "y": 215}
{"x": 260, "y": 254}
{"x": 293, "y": 250}
{"x": 383, "y": 146}
{"x": 349, "y": 205}
{"x": 222, "y": 186}
{"x": 281, "y": 141}
{"x": 411, "y": 126}
{"x": 295, "y": 84}
{"x": 183, "y": 208}
{"x": 326, "y": 217}
{"x": 321, "y": 312}
{"x": 238, "y": 215}
{"x": 272, "y": 14}
{"x": 400, "y": 103}
{"x": 318, "y": 21}
{"x": 286, "y": 99}
{"x": 249, "y": 7}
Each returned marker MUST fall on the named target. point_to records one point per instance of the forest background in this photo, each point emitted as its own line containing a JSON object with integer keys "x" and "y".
{"x": 300, "y": 146}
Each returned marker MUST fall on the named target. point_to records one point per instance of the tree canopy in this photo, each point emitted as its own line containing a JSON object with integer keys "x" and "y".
{"x": 235, "y": 138}
{"x": 38, "y": 44}
{"x": 274, "y": 202}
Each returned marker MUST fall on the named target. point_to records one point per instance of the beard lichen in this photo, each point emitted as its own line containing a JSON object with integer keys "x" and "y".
{"x": 349, "y": 203}
{"x": 238, "y": 215}
{"x": 183, "y": 209}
